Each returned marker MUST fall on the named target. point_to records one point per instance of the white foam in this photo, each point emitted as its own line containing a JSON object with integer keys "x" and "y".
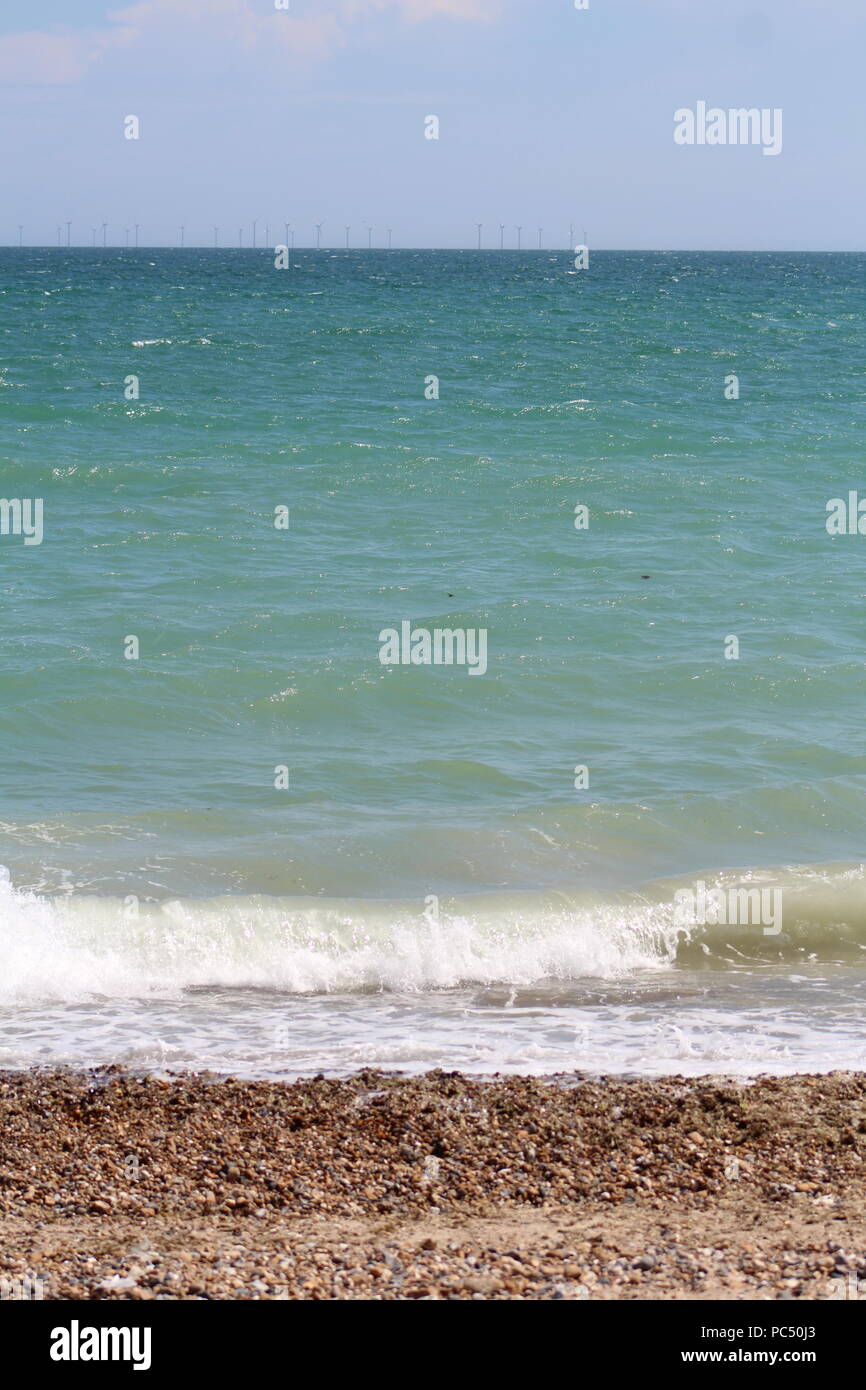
{"x": 81, "y": 947}
{"x": 76, "y": 950}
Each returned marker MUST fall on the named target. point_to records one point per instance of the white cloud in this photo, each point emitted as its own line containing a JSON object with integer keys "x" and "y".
{"x": 63, "y": 56}
{"x": 417, "y": 10}
{"x": 51, "y": 59}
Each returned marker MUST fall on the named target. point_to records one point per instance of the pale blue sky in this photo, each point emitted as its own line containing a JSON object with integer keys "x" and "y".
{"x": 548, "y": 115}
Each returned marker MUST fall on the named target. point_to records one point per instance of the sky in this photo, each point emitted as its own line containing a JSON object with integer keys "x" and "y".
{"x": 549, "y": 117}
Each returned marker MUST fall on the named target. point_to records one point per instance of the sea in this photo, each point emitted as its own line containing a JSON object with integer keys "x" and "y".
{"x": 238, "y": 837}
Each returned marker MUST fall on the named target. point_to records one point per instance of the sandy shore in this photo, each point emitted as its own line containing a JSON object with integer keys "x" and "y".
{"x": 114, "y": 1186}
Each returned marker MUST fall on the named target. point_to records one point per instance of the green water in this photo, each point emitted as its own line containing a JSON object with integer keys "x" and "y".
{"x": 259, "y": 647}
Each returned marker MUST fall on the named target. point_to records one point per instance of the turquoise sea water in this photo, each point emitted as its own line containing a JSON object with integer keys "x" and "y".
{"x": 430, "y": 888}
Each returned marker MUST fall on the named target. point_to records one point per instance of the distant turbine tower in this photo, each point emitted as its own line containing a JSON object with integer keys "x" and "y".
{"x": 136, "y": 236}
{"x": 479, "y": 225}
{"x": 286, "y": 229}
{"x": 59, "y": 234}
{"x": 255, "y": 224}
{"x": 571, "y": 236}
{"x": 68, "y": 233}
{"x": 540, "y": 230}
{"x": 369, "y": 238}
{"x": 319, "y": 226}
{"x": 240, "y": 236}
{"x": 216, "y": 236}
{"x": 348, "y": 229}
{"x": 502, "y": 236}
{"x": 94, "y": 236}
{"x": 104, "y": 232}
{"x": 20, "y": 233}
{"x": 127, "y": 236}
{"x": 519, "y": 230}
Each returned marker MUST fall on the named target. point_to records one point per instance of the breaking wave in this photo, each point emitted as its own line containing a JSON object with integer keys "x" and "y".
{"x": 78, "y": 947}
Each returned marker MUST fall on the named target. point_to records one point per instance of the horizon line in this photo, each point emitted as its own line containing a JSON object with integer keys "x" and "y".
{"x": 470, "y": 250}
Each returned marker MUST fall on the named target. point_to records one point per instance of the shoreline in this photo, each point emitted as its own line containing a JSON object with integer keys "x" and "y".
{"x": 122, "y": 1186}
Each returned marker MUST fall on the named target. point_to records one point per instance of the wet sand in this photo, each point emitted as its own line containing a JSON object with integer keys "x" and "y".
{"x": 119, "y": 1186}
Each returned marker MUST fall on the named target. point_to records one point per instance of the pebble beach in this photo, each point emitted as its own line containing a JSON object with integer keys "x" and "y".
{"x": 120, "y": 1186}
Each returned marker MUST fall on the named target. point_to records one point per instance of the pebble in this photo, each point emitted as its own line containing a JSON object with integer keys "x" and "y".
{"x": 228, "y": 1172}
